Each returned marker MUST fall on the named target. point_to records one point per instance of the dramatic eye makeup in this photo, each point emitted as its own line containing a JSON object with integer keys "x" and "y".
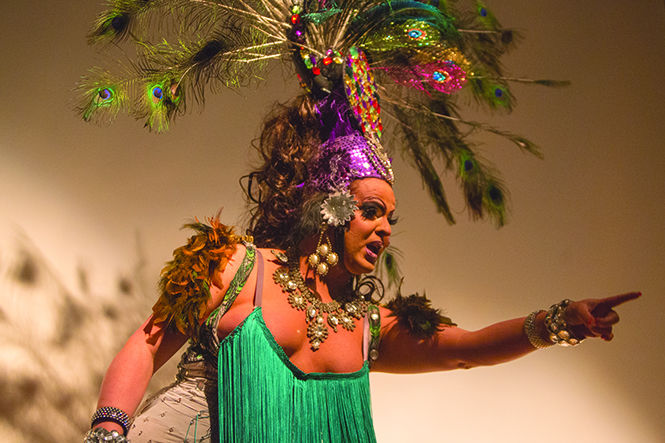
{"x": 373, "y": 209}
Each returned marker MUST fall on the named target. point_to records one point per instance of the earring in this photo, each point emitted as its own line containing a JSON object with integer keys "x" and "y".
{"x": 323, "y": 258}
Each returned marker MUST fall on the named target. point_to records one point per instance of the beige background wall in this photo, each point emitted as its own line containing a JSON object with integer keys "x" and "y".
{"x": 89, "y": 214}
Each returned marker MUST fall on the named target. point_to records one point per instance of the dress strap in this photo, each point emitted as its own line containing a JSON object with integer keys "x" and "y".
{"x": 371, "y": 333}
{"x": 258, "y": 291}
{"x": 365, "y": 337}
{"x": 239, "y": 279}
{"x": 235, "y": 287}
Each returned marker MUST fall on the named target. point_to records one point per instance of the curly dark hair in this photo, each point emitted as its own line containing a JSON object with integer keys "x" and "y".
{"x": 282, "y": 210}
{"x": 274, "y": 190}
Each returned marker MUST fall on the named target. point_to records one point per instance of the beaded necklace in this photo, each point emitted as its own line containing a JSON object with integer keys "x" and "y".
{"x": 318, "y": 315}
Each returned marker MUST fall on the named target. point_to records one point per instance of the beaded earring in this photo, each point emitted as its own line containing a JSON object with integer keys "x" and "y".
{"x": 323, "y": 258}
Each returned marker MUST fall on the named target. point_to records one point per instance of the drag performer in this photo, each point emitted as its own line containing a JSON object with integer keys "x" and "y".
{"x": 284, "y": 324}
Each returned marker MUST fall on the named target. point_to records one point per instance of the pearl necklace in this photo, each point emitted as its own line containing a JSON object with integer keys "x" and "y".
{"x": 318, "y": 315}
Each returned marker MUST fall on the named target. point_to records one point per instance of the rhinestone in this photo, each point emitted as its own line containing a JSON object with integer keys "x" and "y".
{"x": 374, "y": 316}
{"x": 373, "y": 354}
{"x": 281, "y": 256}
{"x": 291, "y": 285}
{"x": 564, "y": 335}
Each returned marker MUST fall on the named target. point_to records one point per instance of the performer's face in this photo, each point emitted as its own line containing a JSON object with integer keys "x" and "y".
{"x": 369, "y": 231}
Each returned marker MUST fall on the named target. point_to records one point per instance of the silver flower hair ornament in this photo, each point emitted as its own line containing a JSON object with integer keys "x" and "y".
{"x": 338, "y": 209}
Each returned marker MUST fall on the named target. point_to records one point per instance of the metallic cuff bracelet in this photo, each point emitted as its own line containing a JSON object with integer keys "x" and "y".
{"x": 101, "y": 435}
{"x": 532, "y": 334}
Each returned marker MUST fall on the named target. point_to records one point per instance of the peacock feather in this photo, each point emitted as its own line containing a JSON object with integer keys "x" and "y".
{"x": 404, "y": 63}
{"x": 101, "y": 96}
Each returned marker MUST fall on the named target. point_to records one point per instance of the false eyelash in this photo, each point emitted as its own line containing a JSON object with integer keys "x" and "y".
{"x": 370, "y": 210}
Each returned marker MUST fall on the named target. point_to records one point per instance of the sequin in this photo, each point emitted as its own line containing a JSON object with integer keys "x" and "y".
{"x": 443, "y": 76}
{"x": 415, "y": 33}
{"x": 361, "y": 92}
{"x": 439, "y": 76}
{"x": 396, "y": 36}
{"x": 347, "y": 158}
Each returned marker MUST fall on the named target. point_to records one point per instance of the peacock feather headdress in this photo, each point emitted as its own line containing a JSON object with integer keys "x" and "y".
{"x": 403, "y": 63}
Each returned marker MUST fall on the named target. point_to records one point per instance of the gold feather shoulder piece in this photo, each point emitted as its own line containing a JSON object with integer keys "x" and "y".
{"x": 185, "y": 281}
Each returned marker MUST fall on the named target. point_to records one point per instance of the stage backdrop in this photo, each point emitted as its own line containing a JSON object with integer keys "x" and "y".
{"x": 88, "y": 215}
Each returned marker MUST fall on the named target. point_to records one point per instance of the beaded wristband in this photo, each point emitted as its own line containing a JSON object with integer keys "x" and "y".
{"x": 532, "y": 334}
{"x": 109, "y": 413}
{"x": 557, "y": 327}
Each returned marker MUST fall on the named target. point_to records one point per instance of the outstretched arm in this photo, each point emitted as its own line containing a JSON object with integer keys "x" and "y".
{"x": 451, "y": 347}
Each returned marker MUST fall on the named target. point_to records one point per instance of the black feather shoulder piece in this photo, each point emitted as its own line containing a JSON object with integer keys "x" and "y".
{"x": 185, "y": 281}
{"x": 415, "y": 313}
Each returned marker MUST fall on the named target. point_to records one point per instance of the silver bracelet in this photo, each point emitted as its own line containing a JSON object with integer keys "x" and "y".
{"x": 101, "y": 435}
{"x": 558, "y": 328}
{"x": 532, "y": 334}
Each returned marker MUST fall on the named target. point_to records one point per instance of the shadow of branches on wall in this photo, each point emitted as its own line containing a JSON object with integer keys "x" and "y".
{"x": 56, "y": 341}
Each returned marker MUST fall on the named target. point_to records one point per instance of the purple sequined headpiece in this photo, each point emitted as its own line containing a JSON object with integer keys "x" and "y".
{"x": 347, "y": 158}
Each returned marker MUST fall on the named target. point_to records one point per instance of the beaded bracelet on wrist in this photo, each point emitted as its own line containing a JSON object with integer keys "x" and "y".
{"x": 109, "y": 413}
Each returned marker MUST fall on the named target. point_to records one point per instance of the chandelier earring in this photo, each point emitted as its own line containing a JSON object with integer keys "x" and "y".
{"x": 323, "y": 258}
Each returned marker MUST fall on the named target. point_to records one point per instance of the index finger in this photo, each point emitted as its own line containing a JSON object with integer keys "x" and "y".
{"x": 616, "y": 300}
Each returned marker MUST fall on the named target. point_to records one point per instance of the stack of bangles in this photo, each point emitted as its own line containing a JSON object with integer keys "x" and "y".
{"x": 99, "y": 435}
{"x": 556, "y": 326}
